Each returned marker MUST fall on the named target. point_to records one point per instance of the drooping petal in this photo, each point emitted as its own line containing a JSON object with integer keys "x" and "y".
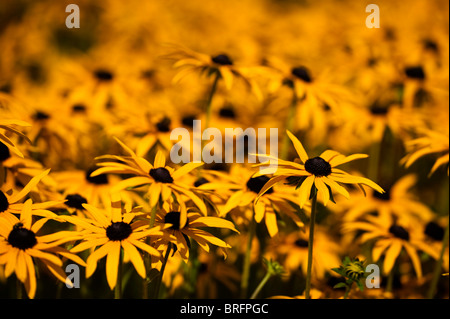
{"x": 135, "y": 257}
{"x": 391, "y": 255}
{"x": 112, "y": 263}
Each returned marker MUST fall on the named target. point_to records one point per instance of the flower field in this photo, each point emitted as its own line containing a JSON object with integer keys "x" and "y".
{"x": 224, "y": 149}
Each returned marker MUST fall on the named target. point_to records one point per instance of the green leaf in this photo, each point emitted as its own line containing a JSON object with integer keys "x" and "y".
{"x": 340, "y": 285}
{"x": 360, "y": 285}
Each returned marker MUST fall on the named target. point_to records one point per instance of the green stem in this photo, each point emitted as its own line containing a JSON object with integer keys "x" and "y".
{"x": 438, "y": 267}
{"x": 347, "y": 290}
{"x": 247, "y": 259}
{"x": 147, "y": 258}
{"x": 289, "y": 126}
{"x": 163, "y": 267}
{"x": 310, "y": 246}
{"x": 261, "y": 285}
{"x": 118, "y": 287}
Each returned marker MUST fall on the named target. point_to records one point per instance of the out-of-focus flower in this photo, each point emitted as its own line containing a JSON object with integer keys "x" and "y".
{"x": 171, "y": 214}
{"x": 391, "y": 238}
{"x": 431, "y": 142}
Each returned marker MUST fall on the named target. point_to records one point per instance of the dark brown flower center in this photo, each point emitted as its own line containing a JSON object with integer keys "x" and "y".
{"x": 4, "y": 152}
{"x": 227, "y": 112}
{"x": 434, "y": 231}
{"x": 75, "y": 201}
{"x": 79, "y": 108}
{"x": 41, "y": 116}
{"x": 174, "y": 219}
{"x": 415, "y": 72}
{"x": 222, "y": 59}
{"x": 301, "y": 243}
{"x": 255, "y": 184}
{"x": 118, "y": 231}
{"x": 21, "y": 238}
{"x": 318, "y": 166}
{"x": 301, "y": 73}
{"x": 103, "y": 75}
{"x": 377, "y": 109}
{"x": 399, "y": 232}
{"x": 4, "y": 204}
{"x": 98, "y": 180}
{"x": 188, "y": 120}
{"x": 164, "y": 125}
{"x": 161, "y": 175}
{"x": 386, "y": 196}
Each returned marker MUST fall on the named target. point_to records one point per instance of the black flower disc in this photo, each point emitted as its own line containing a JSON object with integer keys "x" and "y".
{"x": 318, "y": 166}
{"x": 21, "y": 238}
{"x": 399, "y": 232}
{"x": 4, "y": 204}
{"x": 118, "y": 231}
{"x": 255, "y": 184}
{"x": 161, "y": 175}
{"x": 222, "y": 59}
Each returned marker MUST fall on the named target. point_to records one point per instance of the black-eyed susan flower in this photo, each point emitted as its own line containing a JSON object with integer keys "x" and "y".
{"x": 315, "y": 174}
{"x": 6, "y": 145}
{"x": 162, "y": 180}
{"x": 398, "y": 200}
{"x": 275, "y": 201}
{"x": 108, "y": 232}
{"x": 292, "y": 252}
{"x": 11, "y": 199}
{"x": 431, "y": 142}
{"x": 20, "y": 246}
{"x": 171, "y": 214}
{"x": 221, "y": 65}
{"x": 95, "y": 190}
{"x": 392, "y": 236}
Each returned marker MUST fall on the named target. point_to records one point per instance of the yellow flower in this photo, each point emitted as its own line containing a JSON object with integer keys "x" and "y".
{"x": 245, "y": 191}
{"x": 431, "y": 142}
{"x": 292, "y": 251}
{"x": 315, "y": 174}
{"x": 171, "y": 215}
{"x": 19, "y": 244}
{"x": 163, "y": 181}
{"x": 398, "y": 200}
{"x": 113, "y": 230}
{"x": 10, "y": 200}
{"x": 391, "y": 238}
{"x": 6, "y": 144}
{"x": 221, "y": 65}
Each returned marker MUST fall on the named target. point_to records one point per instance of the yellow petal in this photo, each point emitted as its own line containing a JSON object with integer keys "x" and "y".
{"x": 160, "y": 159}
{"x": 135, "y": 257}
{"x": 305, "y": 190}
{"x": 322, "y": 190}
{"x": 260, "y": 209}
{"x": 271, "y": 223}
{"x": 298, "y": 147}
{"x": 185, "y": 169}
{"x": 391, "y": 255}
{"x": 29, "y": 187}
{"x": 112, "y": 264}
